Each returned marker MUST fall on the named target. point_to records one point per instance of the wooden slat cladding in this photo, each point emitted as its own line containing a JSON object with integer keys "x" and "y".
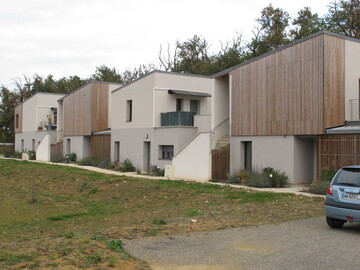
{"x": 56, "y": 149}
{"x": 101, "y": 146}
{"x": 77, "y": 112}
{"x": 18, "y": 118}
{"x": 100, "y": 106}
{"x": 220, "y": 163}
{"x": 334, "y": 78}
{"x": 337, "y": 151}
{"x": 282, "y": 93}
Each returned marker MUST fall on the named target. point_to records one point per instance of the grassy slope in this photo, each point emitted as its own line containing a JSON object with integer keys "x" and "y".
{"x": 79, "y": 216}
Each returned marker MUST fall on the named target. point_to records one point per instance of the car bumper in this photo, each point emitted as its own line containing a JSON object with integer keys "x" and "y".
{"x": 342, "y": 211}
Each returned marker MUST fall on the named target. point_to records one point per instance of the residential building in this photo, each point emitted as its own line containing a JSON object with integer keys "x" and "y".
{"x": 84, "y": 122}
{"x": 285, "y": 103}
{"x": 36, "y": 121}
{"x": 156, "y": 116}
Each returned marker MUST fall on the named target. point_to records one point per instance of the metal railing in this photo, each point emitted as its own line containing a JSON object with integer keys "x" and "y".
{"x": 178, "y": 118}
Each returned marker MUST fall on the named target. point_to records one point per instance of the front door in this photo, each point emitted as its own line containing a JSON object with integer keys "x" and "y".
{"x": 147, "y": 156}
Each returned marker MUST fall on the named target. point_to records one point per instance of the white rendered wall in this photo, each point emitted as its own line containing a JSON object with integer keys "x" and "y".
{"x": 294, "y": 156}
{"x": 141, "y": 94}
{"x": 29, "y": 136}
{"x": 37, "y": 108}
{"x": 43, "y": 151}
{"x": 194, "y": 161}
{"x": 132, "y": 143}
{"x": 267, "y": 151}
{"x": 80, "y": 145}
{"x": 352, "y": 75}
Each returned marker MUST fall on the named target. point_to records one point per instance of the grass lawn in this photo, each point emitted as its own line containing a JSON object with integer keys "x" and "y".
{"x": 78, "y": 217}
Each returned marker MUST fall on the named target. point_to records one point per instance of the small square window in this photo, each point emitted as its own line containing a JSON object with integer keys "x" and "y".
{"x": 166, "y": 151}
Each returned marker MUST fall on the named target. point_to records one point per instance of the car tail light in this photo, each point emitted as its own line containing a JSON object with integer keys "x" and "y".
{"x": 330, "y": 190}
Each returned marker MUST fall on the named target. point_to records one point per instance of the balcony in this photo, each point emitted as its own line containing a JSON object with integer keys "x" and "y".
{"x": 178, "y": 118}
{"x": 354, "y": 109}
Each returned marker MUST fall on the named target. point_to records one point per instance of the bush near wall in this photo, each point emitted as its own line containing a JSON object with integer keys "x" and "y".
{"x": 267, "y": 178}
{"x": 320, "y": 187}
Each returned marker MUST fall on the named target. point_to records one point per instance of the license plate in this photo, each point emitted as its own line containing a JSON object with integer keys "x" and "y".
{"x": 348, "y": 196}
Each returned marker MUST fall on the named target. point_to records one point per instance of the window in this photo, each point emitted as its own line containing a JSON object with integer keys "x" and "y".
{"x": 194, "y": 106}
{"x": 247, "y": 155}
{"x": 179, "y": 103}
{"x": 116, "y": 151}
{"x": 167, "y": 151}
{"x": 17, "y": 121}
{"x": 128, "y": 110}
{"x": 68, "y": 146}
{"x": 55, "y": 117}
{"x": 33, "y": 144}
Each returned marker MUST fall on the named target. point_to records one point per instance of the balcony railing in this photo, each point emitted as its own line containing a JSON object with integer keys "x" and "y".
{"x": 354, "y": 109}
{"x": 178, "y": 118}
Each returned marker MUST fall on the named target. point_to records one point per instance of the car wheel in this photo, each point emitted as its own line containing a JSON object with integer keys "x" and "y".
{"x": 334, "y": 223}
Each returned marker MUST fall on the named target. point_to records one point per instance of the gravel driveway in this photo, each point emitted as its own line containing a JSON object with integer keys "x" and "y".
{"x": 302, "y": 244}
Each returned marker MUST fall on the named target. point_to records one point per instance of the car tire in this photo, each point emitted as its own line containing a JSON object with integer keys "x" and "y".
{"x": 334, "y": 223}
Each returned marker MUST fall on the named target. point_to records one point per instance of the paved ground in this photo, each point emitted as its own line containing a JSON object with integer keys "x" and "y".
{"x": 302, "y": 244}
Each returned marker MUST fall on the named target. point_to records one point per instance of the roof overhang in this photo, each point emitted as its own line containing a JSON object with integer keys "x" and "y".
{"x": 188, "y": 93}
{"x": 343, "y": 130}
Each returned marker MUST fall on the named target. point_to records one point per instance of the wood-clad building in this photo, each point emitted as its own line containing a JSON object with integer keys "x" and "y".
{"x": 85, "y": 124}
{"x": 283, "y": 103}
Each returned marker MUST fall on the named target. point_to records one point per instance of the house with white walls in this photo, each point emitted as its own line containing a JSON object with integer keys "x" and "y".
{"x": 154, "y": 118}
{"x": 35, "y": 124}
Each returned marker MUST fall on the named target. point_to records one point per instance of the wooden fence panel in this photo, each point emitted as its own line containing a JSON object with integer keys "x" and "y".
{"x": 220, "y": 160}
{"x": 56, "y": 150}
{"x": 337, "y": 151}
{"x": 101, "y": 146}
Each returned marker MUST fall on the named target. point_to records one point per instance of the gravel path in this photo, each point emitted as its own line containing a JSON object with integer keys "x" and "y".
{"x": 302, "y": 244}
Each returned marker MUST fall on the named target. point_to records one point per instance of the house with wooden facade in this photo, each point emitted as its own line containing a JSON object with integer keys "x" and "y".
{"x": 35, "y": 124}
{"x": 296, "y": 108}
{"x": 84, "y": 120}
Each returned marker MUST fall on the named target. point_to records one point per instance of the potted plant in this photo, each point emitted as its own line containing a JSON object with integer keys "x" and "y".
{"x": 40, "y": 128}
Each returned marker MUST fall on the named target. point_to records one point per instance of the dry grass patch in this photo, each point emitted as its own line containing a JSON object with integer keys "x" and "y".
{"x": 79, "y": 217}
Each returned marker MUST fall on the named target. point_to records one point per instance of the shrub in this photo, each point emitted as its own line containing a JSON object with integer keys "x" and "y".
{"x": 57, "y": 158}
{"x": 256, "y": 179}
{"x": 32, "y": 155}
{"x": 156, "y": 171}
{"x": 278, "y": 179}
{"x": 89, "y": 161}
{"x": 127, "y": 166}
{"x": 10, "y": 152}
{"x": 319, "y": 187}
{"x": 327, "y": 175}
{"x": 72, "y": 157}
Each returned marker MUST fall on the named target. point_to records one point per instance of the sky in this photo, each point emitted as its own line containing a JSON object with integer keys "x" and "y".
{"x": 72, "y": 37}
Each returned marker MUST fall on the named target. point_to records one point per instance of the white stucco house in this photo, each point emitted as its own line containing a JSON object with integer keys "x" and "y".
{"x": 35, "y": 124}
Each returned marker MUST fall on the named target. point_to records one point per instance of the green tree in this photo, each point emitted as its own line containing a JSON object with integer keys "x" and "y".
{"x": 106, "y": 74}
{"x": 344, "y": 18}
{"x": 131, "y": 75}
{"x": 271, "y": 33}
{"x": 9, "y": 100}
{"x": 306, "y": 23}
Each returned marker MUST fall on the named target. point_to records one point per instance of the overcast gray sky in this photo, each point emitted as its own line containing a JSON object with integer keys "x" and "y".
{"x": 72, "y": 37}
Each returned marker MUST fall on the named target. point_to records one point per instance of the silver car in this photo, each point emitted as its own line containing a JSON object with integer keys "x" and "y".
{"x": 342, "y": 203}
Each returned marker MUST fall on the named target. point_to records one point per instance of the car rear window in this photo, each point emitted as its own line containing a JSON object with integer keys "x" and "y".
{"x": 348, "y": 177}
